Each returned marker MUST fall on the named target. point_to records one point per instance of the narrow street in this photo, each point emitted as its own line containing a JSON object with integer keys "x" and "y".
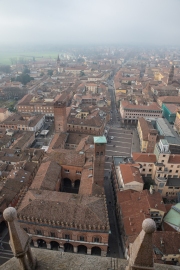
{"x": 120, "y": 144}
{"x": 115, "y": 244}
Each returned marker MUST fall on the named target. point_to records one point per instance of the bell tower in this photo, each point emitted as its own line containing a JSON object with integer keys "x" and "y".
{"x": 99, "y": 160}
{"x": 60, "y": 119}
{"x": 171, "y": 75}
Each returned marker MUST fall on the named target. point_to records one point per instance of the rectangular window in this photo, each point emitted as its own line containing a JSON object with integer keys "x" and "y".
{"x": 177, "y": 171}
{"x": 150, "y": 170}
{"x": 26, "y": 230}
{"x": 67, "y": 236}
{"x": 66, "y": 171}
{"x": 96, "y": 239}
{"x": 39, "y": 232}
{"x": 53, "y": 234}
{"x": 78, "y": 172}
{"x": 161, "y": 185}
{"x": 81, "y": 238}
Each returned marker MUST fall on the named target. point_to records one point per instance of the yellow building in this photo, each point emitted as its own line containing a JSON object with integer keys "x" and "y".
{"x": 158, "y": 76}
{"x": 121, "y": 91}
{"x": 177, "y": 122}
{"x": 147, "y": 135}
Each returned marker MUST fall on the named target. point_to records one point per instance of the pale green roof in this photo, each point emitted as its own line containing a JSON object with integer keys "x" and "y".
{"x": 173, "y": 216}
{"x": 100, "y": 139}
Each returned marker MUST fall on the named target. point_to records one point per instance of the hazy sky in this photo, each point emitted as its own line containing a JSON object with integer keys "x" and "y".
{"x": 90, "y": 22}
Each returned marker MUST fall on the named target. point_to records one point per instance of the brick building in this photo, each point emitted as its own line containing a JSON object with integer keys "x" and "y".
{"x": 60, "y": 228}
{"x": 60, "y": 119}
{"x": 23, "y": 122}
{"x": 132, "y": 208}
{"x": 68, "y": 182}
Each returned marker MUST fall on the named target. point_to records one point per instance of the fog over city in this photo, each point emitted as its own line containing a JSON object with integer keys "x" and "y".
{"x": 90, "y": 22}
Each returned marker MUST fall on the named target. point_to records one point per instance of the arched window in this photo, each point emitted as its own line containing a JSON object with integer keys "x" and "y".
{"x": 97, "y": 153}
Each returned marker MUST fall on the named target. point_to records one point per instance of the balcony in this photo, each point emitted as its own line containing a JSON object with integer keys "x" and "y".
{"x": 161, "y": 179}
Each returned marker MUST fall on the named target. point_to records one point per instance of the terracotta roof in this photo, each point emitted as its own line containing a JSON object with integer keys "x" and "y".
{"x": 67, "y": 157}
{"x": 90, "y": 120}
{"x": 135, "y": 208}
{"x": 47, "y": 176}
{"x": 167, "y": 242}
{"x": 130, "y": 173}
{"x": 146, "y": 128}
{"x": 57, "y": 142}
{"x": 74, "y": 138}
{"x": 172, "y": 108}
{"x": 144, "y": 157}
{"x": 170, "y": 99}
{"x": 153, "y": 106}
{"x": 65, "y": 207}
{"x": 174, "y": 159}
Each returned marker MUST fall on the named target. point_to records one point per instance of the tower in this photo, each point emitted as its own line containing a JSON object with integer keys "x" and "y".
{"x": 60, "y": 120}
{"x": 99, "y": 160}
{"x": 171, "y": 75}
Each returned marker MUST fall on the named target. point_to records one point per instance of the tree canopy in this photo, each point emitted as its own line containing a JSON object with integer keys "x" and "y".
{"x": 24, "y": 78}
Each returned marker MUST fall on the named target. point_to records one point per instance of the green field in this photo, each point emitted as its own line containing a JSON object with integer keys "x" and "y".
{"x": 7, "y": 58}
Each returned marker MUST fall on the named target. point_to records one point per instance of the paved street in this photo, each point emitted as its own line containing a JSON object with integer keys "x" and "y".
{"x": 115, "y": 245}
{"x": 120, "y": 145}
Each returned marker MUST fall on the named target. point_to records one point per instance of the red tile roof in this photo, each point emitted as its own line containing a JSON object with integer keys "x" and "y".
{"x": 130, "y": 173}
{"x": 144, "y": 157}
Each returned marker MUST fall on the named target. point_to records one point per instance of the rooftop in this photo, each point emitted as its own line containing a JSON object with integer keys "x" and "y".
{"x": 64, "y": 207}
{"x": 56, "y": 260}
{"x": 143, "y": 157}
{"x": 173, "y": 217}
{"x": 100, "y": 139}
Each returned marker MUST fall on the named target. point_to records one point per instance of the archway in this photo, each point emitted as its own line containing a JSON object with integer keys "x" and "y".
{"x": 96, "y": 251}
{"x": 82, "y": 249}
{"x": 54, "y": 245}
{"x": 68, "y": 248}
{"x": 76, "y": 186}
{"x": 67, "y": 185}
{"x": 41, "y": 243}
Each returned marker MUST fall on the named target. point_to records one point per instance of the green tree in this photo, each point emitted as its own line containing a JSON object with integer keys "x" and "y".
{"x": 26, "y": 70}
{"x": 24, "y": 78}
{"x": 50, "y": 72}
{"x": 82, "y": 73}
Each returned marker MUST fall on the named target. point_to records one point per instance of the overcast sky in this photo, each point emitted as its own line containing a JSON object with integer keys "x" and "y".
{"x": 90, "y": 22}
